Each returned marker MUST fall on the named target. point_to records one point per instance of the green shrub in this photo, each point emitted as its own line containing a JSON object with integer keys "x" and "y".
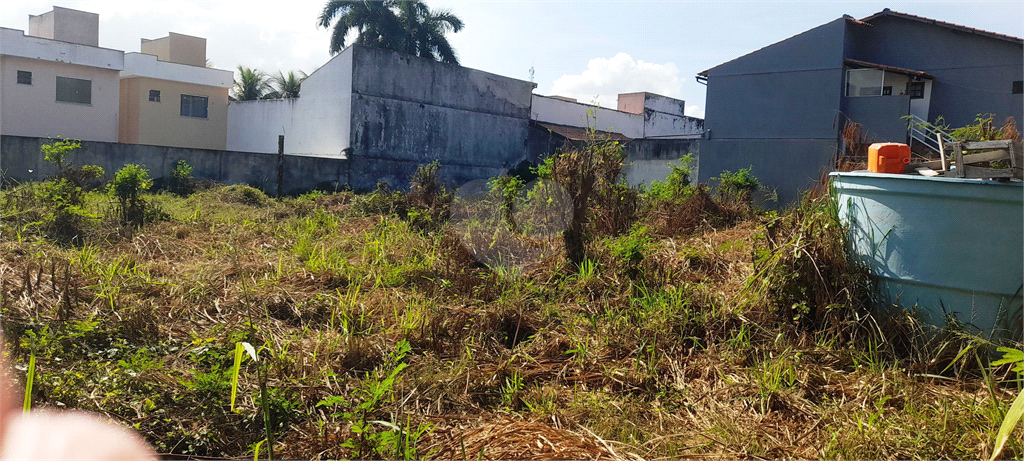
{"x": 127, "y": 187}
{"x": 57, "y": 151}
{"x": 64, "y": 219}
{"x": 182, "y": 182}
{"x": 740, "y": 184}
{"x": 629, "y": 250}
{"x": 676, "y": 185}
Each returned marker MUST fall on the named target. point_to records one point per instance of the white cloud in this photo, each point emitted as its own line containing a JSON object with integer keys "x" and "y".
{"x": 694, "y": 111}
{"x": 606, "y": 78}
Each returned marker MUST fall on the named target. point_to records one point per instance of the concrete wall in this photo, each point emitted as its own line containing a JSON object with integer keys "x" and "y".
{"x": 177, "y": 48}
{"x": 22, "y": 161}
{"x": 561, "y": 112}
{"x": 409, "y": 111}
{"x": 315, "y": 124}
{"x": 160, "y": 123}
{"x": 647, "y": 160}
{"x": 33, "y": 110}
{"x": 973, "y": 73}
{"x": 66, "y": 25}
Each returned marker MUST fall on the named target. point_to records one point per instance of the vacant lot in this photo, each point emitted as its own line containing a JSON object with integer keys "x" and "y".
{"x": 699, "y": 329}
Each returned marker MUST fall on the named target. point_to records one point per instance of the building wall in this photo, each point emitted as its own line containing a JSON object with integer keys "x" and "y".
{"x": 33, "y": 110}
{"x": 409, "y": 111}
{"x": 66, "y": 25}
{"x": 551, "y": 110}
{"x": 177, "y": 48}
{"x": 161, "y": 123}
{"x": 648, "y": 160}
{"x": 973, "y": 73}
{"x": 317, "y": 123}
{"x": 881, "y": 116}
{"x": 773, "y": 111}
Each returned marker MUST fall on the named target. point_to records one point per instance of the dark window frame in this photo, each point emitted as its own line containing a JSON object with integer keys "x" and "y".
{"x": 1017, "y": 87}
{"x": 74, "y": 90}
{"x": 915, "y": 90}
{"x": 24, "y": 77}
{"x": 886, "y": 91}
{"x": 191, "y": 108}
{"x": 154, "y": 95}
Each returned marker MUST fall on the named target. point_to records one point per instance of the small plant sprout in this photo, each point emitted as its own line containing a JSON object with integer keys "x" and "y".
{"x": 239, "y": 348}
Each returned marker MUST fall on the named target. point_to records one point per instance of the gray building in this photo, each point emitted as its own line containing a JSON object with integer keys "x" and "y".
{"x": 781, "y": 109}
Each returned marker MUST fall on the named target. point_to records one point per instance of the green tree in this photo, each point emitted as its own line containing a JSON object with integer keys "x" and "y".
{"x": 286, "y": 86}
{"x": 250, "y": 85}
{"x": 404, "y": 26}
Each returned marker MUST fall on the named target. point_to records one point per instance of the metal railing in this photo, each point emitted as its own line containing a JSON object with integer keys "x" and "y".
{"x": 925, "y": 133}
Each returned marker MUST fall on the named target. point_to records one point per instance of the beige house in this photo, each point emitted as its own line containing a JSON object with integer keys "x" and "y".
{"x": 170, "y": 98}
{"x": 55, "y": 81}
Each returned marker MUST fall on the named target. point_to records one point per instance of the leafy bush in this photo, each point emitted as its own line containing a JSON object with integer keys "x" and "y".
{"x": 182, "y": 181}
{"x": 629, "y": 250}
{"x": 127, "y": 186}
{"x": 676, "y": 185}
{"x": 65, "y": 218}
{"x": 56, "y": 152}
{"x": 740, "y": 184}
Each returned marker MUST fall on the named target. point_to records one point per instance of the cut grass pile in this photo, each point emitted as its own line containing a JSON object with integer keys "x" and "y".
{"x": 383, "y": 339}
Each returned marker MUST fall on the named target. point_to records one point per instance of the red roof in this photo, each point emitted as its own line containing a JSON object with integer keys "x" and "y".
{"x": 996, "y": 35}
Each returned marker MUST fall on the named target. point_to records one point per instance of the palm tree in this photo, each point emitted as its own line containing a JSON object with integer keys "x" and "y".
{"x": 250, "y": 85}
{"x": 403, "y": 26}
{"x": 286, "y": 86}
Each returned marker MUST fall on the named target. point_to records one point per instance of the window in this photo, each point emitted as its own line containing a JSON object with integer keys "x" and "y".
{"x": 915, "y": 90}
{"x": 1018, "y": 87}
{"x": 24, "y": 77}
{"x": 74, "y": 90}
{"x": 193, "y": 106}
{"x": 154, "y": 95}
{"x": 864, "y": 82}
{"x": 886, "y": 91}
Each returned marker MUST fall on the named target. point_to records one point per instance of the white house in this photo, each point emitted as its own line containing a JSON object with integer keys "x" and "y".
{"x": 637, "y": 116}
{"x": 56, "y": 81}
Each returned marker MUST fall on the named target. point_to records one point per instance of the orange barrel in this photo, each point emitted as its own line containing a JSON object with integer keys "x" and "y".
{"x": 888, "y": 157}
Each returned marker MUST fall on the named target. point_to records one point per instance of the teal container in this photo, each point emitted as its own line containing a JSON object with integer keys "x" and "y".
{"x": 945, "y": 246}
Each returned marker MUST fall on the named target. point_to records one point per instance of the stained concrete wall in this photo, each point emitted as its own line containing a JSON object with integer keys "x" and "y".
{"x": 647, "y": 160}
{"x": 409, "y": 111}
{"x": 561, "y": 112}
{"x": 21, "y": 160}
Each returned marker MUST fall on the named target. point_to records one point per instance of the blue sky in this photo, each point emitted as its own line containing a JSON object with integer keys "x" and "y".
{"x": 587, "y": 50}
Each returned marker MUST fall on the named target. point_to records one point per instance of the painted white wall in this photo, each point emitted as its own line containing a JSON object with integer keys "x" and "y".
{"x": 551, "y": 110}
{"x": 317, "y": 123}
{"x": 919, "y": 107}
{"x": 33, "y": 110}
{"x": 147, "y": 65}
{"x": 14, "y": 42}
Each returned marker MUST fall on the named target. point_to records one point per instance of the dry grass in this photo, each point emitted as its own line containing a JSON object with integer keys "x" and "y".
{"x": 671, "y": 357}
